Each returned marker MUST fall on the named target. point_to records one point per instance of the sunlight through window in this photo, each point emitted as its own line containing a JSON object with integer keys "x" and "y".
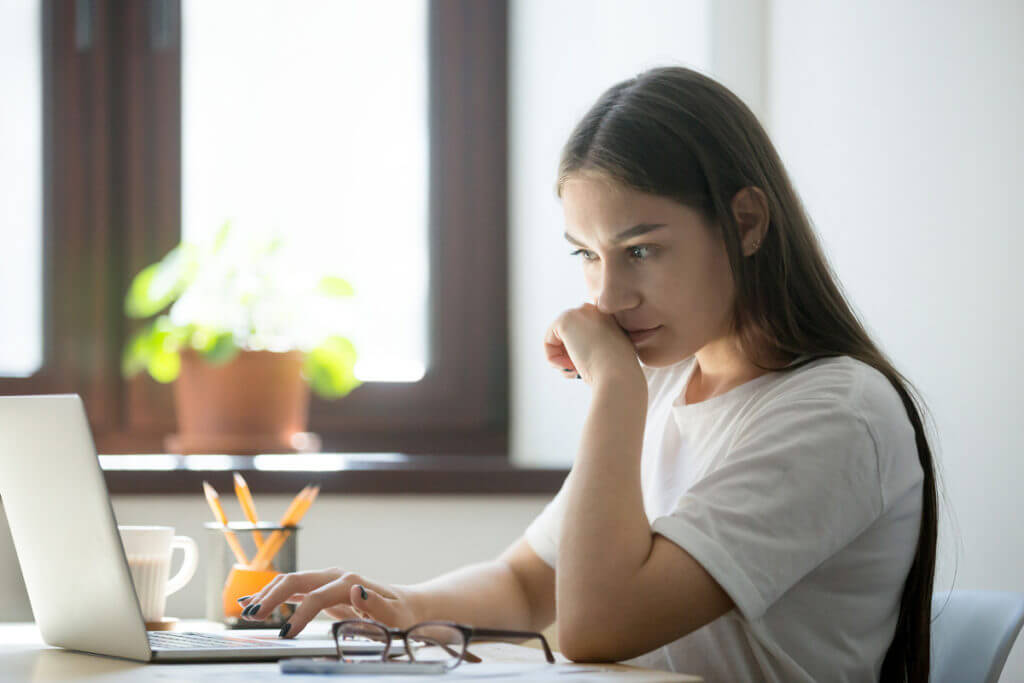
{"x": 311, "y": 119}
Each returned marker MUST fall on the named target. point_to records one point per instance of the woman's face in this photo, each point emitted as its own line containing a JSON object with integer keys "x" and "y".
{"x": 651, "y": 263}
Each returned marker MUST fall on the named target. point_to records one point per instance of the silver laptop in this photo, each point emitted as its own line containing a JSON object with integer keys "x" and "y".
{"x": 71, "y": 555}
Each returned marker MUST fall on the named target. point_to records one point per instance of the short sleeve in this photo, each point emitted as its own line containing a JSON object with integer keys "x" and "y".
{"x": 543, "y": 532}
{"x": 800, "y": 482}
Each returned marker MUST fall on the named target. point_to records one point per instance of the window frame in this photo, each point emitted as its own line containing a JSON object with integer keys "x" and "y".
{"x": 112, "y": 204}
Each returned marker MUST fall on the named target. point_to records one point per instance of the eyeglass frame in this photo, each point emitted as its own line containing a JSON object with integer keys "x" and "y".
{"x": 468, "y": 633}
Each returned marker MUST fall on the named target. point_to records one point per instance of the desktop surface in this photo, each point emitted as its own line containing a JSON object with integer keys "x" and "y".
{"x": 24, "y": 657}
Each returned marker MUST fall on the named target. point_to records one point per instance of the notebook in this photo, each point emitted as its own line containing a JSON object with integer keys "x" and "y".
{"x": 71, "y": 555}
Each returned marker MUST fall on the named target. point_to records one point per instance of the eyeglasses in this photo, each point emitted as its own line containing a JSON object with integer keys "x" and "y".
{"x": 429, "y": 641}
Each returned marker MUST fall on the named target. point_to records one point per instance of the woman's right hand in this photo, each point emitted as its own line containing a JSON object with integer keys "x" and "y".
{"x": 340, "y": 594}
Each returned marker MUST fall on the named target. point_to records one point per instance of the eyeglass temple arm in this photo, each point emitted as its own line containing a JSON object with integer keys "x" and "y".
{"x": 499, "y": 633}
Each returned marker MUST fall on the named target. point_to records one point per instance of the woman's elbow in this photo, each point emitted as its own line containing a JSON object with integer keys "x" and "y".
{"x": 586, "y": 653}
{"x": 585, "y": 646}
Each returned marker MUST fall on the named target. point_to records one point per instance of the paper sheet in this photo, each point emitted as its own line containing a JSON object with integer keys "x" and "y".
{"x": 497, "y": 672}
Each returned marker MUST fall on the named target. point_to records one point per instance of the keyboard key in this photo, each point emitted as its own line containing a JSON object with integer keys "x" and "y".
{"x": 207, "y": 641}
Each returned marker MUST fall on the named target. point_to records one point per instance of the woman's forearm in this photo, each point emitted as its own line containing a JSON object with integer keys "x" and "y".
{"x": 605, "y": 533}
{"x": 485, "y": 594}
{"x": 605, "y": 536}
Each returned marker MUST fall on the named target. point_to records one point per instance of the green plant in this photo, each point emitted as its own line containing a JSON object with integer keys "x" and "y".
{"x": 239, "y": 292}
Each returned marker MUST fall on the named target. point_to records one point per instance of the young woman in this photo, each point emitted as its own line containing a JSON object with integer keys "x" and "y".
{"x": 753, "y": 497}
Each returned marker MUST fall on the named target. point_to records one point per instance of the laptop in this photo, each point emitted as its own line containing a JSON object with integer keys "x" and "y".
{"x": 71, "y": 555}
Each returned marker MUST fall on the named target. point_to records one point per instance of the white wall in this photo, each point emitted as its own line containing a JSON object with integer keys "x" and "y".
{"x": 901, "y": 125}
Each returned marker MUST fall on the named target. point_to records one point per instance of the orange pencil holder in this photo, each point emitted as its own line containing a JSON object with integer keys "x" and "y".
{"x": 242, "y": 581}
{"x": 227, "y": 579}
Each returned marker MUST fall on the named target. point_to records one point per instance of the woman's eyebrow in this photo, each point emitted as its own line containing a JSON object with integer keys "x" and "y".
{"x": 636, "y": 230}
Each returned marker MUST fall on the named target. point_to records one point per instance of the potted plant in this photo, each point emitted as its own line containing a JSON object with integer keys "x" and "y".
{"x": 244, "y": 330}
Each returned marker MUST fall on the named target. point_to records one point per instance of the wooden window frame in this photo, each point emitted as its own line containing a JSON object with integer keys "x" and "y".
{"x": 112, "y": 204}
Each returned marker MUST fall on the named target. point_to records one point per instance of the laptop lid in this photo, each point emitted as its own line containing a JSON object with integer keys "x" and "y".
{"x": 64, "y": 529}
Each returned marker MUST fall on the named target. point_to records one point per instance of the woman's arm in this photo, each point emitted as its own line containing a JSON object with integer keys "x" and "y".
{"x": 622, "y": 591}
{"x": 515, "y": 592}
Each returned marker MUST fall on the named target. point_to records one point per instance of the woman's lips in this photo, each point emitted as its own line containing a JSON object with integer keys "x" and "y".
{"x": 643, "y": 335}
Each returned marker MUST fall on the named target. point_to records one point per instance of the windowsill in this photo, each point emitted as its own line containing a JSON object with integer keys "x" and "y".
{"x": 359, "y": 473}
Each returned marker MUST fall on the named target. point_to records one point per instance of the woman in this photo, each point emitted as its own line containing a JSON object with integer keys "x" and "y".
{"x": 753, "y": 497}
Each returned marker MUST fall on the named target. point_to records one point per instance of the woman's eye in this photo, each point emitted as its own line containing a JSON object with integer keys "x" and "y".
{"x": 639, "y": 252}
{"x": 644, "y": 250}
{"x": 584, "y": 253}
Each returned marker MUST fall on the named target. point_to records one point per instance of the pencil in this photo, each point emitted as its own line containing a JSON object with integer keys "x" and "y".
{"x": 214, "y": 500}
{"x": 291, "y": 517}
{"x": 248, "y": 507}
{"x": 261, "y": 558}
{"x": 301, "y": 512}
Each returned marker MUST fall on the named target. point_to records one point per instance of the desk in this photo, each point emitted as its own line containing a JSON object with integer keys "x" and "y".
{"x": 24, "y": 657}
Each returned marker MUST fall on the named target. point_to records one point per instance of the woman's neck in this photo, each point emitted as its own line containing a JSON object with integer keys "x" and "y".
{"x": 719, "y": 367}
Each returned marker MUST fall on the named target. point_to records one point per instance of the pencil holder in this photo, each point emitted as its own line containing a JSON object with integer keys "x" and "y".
{"x": 227, "y": 579}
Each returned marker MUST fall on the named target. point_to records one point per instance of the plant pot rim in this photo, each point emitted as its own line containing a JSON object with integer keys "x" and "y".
{"x": 250, "y": 352}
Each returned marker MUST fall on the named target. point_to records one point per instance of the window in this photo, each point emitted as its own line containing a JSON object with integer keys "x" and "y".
{"x": 116, "y": 121}
{"x": 314, "y": 122}
{"x": 21, "y": 216}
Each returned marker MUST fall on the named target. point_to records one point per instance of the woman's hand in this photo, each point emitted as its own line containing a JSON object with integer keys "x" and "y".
{"x": 590, "y": 343}
{"x": 340, "y": 594}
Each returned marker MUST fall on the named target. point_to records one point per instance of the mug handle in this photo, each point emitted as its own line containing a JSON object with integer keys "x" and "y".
{"x": 188, "y": 563}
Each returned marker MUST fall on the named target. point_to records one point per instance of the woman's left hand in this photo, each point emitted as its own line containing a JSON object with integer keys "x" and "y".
{"x": 590, "y": 343}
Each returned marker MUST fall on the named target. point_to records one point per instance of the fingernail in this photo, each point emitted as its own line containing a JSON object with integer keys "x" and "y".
{"x": 566, "y": 369}
{"x": 362, "y": 592}
{"x": 251, "y": 609}
{"x": 244, "y": 597}
{"x": 284, "y": 630}
{"x": 578, "y": 376}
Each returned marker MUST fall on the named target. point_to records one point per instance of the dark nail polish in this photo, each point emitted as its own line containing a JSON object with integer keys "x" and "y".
{"x": 578, "y": 377}
{"x": 252, "y": 609}
{"x": 284, "y": 630}
{"x": 362, "y": 592}
{"x": 244, "y": 597}
{"x": 567, "y": 369}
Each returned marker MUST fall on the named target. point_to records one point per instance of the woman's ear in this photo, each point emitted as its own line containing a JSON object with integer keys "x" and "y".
{"x": 750, "y": 210}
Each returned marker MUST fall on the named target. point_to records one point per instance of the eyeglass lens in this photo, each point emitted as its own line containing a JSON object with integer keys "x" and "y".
{"x": 425, "y": 643}
{"x": 436, "y": 643}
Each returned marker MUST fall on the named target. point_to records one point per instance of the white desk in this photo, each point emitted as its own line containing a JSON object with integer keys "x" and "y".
{"x": 24, "y": 657}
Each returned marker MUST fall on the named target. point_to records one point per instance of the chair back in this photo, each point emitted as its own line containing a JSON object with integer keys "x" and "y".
{"x": 972, "y": 633}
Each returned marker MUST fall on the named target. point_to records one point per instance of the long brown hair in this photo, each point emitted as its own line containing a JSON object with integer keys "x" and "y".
{"x": 673, "y": 132}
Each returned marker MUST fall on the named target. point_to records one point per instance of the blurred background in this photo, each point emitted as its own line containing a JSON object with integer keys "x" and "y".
{"x": 411, "y": 147}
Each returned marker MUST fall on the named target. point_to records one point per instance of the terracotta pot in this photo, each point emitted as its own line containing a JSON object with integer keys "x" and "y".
{"x": 257, "y": 403}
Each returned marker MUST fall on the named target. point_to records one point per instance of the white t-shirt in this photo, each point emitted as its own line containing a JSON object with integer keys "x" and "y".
{"x": 800, "y": 492}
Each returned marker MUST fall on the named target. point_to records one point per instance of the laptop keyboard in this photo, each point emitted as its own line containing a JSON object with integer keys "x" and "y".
{"x": 159, "y": 640}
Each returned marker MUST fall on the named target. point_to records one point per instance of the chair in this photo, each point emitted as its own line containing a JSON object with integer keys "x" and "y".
{"x": 972, "y": 633}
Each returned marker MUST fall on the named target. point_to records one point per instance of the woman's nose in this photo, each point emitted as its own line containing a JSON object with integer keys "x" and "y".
{"x": 613, "y": 296}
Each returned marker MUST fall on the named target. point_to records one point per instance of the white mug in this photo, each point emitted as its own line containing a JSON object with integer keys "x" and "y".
{"x": 149, "y": 549}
